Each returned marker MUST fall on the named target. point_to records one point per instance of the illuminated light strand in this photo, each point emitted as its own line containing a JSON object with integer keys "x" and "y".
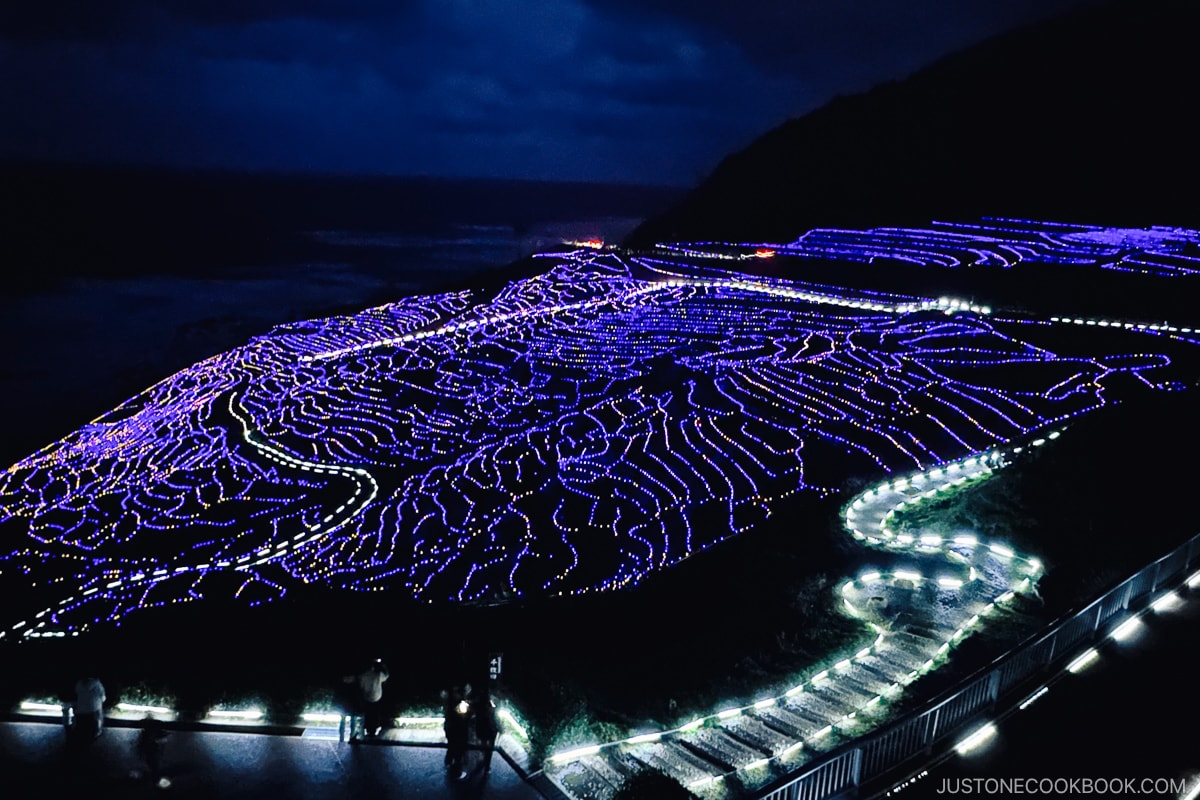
{"x": 478, "y": 410}
{"x": 879, "y": 500}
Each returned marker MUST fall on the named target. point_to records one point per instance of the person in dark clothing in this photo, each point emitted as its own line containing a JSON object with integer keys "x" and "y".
{"x": 456, "y": 724}
{"x": 348, "y": 700}
{"x": 150, "y": 742}
{"x": 487, "y": 728}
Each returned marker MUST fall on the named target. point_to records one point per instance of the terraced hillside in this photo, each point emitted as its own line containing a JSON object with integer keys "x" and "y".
{"x": 577, "y": 431}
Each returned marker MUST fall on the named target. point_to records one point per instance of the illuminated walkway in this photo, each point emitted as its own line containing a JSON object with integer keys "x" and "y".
{"x": 1130, "y": 714}
{"x": 35, "y": 762}
{"x": 919, "y": 611}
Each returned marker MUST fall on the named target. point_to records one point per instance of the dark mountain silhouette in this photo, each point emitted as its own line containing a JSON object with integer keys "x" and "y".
{"x": 1087, "y": 117}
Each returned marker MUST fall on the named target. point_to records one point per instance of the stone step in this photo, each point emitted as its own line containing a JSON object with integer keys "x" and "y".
{"x": 682, "y": 768}
{"x": 817, "y": 718}
{"x": 788, "y": 722}
{"x": 883, "y": 671}
{"x": 864, "y": 681}
{"x": 933, "y": 631}
{"x": 851, "y": 681}
{"x": 898, "y": 660}
{"x": 719, "y": 747}
{"x": 601, "y": 764}
{"x": 843, "y": 693}
{"x": 755, "y": 732}
{"x": 821, "y": 705}
{"x": 581, "y": 782}
{"x": 922, "y": 646}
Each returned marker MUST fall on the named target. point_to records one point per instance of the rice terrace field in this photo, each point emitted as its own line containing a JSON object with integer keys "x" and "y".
{"x": 591, "y": 428}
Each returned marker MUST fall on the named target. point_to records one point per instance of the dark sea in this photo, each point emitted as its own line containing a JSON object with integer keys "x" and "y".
{"x": 117, "y": 278}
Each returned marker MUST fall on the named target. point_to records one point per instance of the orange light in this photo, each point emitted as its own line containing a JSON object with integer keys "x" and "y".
{"x": 764, "y": 252}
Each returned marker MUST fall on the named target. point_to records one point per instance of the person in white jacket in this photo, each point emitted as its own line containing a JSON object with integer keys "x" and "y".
{"x": 89, "y": 707}
{"x": 369, "y": 684}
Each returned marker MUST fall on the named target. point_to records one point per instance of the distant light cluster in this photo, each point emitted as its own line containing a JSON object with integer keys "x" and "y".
{"x": 993, "y": 242}
{"x": 574, "y": 432}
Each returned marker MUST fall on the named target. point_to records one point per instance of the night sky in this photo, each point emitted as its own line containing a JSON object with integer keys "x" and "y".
{"x": 641, "y": 91}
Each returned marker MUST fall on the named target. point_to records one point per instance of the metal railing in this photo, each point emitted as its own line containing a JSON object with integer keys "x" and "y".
{"x": 845, "y": 770}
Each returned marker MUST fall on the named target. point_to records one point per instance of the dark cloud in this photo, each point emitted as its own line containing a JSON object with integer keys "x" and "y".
{"x": 223, "y": 12}
{"x": 846, "y": 42}
{"x": 647, "y": 90}
{"x": 74, "y": 20}
{"x": 117, "y": 19}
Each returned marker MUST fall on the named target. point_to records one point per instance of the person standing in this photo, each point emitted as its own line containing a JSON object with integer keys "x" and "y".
{"x": 369, "y": 686}
{"x": 89, "y": 708}
{"x": 487, "y": 728}
{"x": 456, "y": 725}
{"x": 150, "y": 743}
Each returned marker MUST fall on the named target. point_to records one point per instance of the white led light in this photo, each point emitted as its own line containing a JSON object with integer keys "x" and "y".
{"x": 1127, "y": 629}
{"x": 1028, "y": 701}
{"x": 224, "y": 713}
{"x": 1194, "y": 792}
{"x": 571, "y": 755}
{"x": 135, "y": 708}
{"x": 1168, "y": 602}
{"x": 1081, "y": 663}
{"x": 41, "y": 708}
{"x": 976, "y": 740}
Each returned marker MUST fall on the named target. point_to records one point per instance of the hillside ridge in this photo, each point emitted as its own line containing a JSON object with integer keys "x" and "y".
{"x": 1081, "y": 118}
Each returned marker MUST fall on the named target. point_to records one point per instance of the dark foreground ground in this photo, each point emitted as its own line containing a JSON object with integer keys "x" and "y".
{"x": 1131, "y": 715}
{"x": 36, "y": 762}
